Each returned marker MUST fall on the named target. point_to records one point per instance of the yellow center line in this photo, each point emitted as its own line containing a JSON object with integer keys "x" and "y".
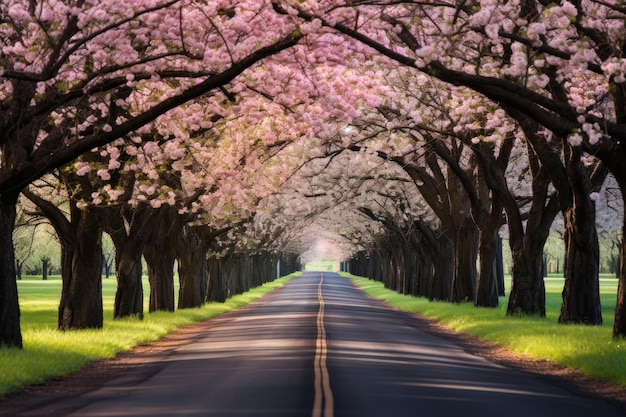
{"x": 323, "y": 404}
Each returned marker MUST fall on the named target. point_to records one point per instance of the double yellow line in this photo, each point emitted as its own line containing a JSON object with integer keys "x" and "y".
{"x": 323, "y": 404}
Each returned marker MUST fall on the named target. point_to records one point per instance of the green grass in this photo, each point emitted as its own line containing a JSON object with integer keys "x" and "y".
{"x": 590, "y": 349}
{"x": 51, "y": 353}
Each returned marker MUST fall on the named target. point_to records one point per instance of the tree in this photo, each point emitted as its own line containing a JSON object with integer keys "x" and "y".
{"x": 106, "y": 55}
{"x": 80, "y": 235}
{"x": 531, "y": 59}
{"x": 108, "y": 256}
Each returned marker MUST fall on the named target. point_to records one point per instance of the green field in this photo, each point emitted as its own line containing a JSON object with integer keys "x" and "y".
{"x": 590, "y": 349}
{"x": 49, "y": 353}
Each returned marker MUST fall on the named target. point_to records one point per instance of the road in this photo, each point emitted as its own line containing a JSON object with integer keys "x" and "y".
{"x": 319, "y": 347}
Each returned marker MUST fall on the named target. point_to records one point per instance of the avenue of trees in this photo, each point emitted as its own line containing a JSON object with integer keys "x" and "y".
{"x": 228, "y": 135}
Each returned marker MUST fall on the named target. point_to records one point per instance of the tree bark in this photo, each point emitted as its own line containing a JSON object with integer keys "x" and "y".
{"x": 44, "y": 268}
{"x": 193, "y": 246}
{"x": 129, "y": 294}
{"x": 10, "y": 331}
{"x": 487, "y": 283}
{"x": 528, "y": 294}
{"x": 160, "y": 259}
{"x": 127, "y": 228}
{"x": 581, "y": 293}
{"x": 160, "y": 255}
{"x": 619, "y": 326}
{"x": 80, "y": 236}
{"x": 465, "y": 254}
{"x": 489, "y": 224}
{"x": 443, "y": 276}
{"x": 81, "y": 270}
{"x": 217, "y": 288}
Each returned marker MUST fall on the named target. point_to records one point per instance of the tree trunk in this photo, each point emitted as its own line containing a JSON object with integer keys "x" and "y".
{"x": 44, "y": 268}
{"x": 160, "y": 259}
{"x": 160, "y": 255}
{"x": 465, "y": 254}
{"x": 192, "y": 267}
{"x": 487, "y": 284}
{"x": 439, "y": 271}
{"x": 619, "y": 326}
{"x": 581, "y": 293}
{"x": 81, "y": 269}
{"x": 106, "y": 266}
{"x": 129, "y": 229}
{"x": 10, "y": 331}
{"x": 129, "y": 294}
{"x": 499, "y": 266}
{"x": 528, "y": 294}
{"x": 80, "y": 306}
{"x": 216, "y": 284}
{"x": 18, "y": 270}
{"x": 488, "y": 274}
{"x": 443, "y": 274}
{"x": 488, "y": 219}
{"x": 526, "y": 241}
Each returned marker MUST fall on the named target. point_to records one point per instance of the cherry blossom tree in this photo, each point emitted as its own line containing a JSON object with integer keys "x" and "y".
{"x": 127, "y": 63}
{"x": 559, "y": 65}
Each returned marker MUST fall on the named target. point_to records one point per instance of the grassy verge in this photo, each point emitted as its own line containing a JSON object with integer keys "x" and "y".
{"x": 587, "y": 348}
{"x": 50, "y": 353}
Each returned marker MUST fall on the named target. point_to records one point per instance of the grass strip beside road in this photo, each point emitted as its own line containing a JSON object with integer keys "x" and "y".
{"x": 589, "y": 349}
{"x": 50, "y": 353}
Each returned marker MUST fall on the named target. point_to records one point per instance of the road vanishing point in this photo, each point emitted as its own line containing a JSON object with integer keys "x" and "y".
{"x": 320, "y": 347}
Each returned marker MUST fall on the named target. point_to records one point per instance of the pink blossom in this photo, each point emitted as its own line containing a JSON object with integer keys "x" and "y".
{"x": 104, "y": 174}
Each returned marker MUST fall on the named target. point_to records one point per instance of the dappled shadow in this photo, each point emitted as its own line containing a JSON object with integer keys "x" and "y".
{"x": 381, "y": 364}
{"x": 256, "y": 361}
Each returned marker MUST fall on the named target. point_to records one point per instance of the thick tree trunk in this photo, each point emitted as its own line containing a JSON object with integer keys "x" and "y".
{"x": 528, "y": 293}
{"x": 10, "y": 331}
{"x": 192, "y": 267}
{"x": 465, "y": 256}
{"x": 488, "y": 272}
{"x": 160, "y": 259}
{"x": 619, "y": 326}
{"x": 217, "y": 287}
{"x": 487, "y": 215}
{"x": 443, "y": 276}
{"x": 487, "y": 283}
{"x": 80, "y": 306}
{"x": 129, "y": 294}
{"x": 81, "y": 269}
{"x": 243, "y": 272}
{"x": 129, "y": 228}
{"x": 581, "y": 293}
{"x": 160, "y": 255}
{"x": 192, "y": 273}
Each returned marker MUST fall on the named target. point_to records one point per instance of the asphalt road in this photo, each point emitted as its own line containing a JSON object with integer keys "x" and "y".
{"x": 319, "y": 347}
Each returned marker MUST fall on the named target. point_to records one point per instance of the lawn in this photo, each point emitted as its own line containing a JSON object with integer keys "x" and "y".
{"x": 50, "y": 353}
{"x": 590, "y": 349}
